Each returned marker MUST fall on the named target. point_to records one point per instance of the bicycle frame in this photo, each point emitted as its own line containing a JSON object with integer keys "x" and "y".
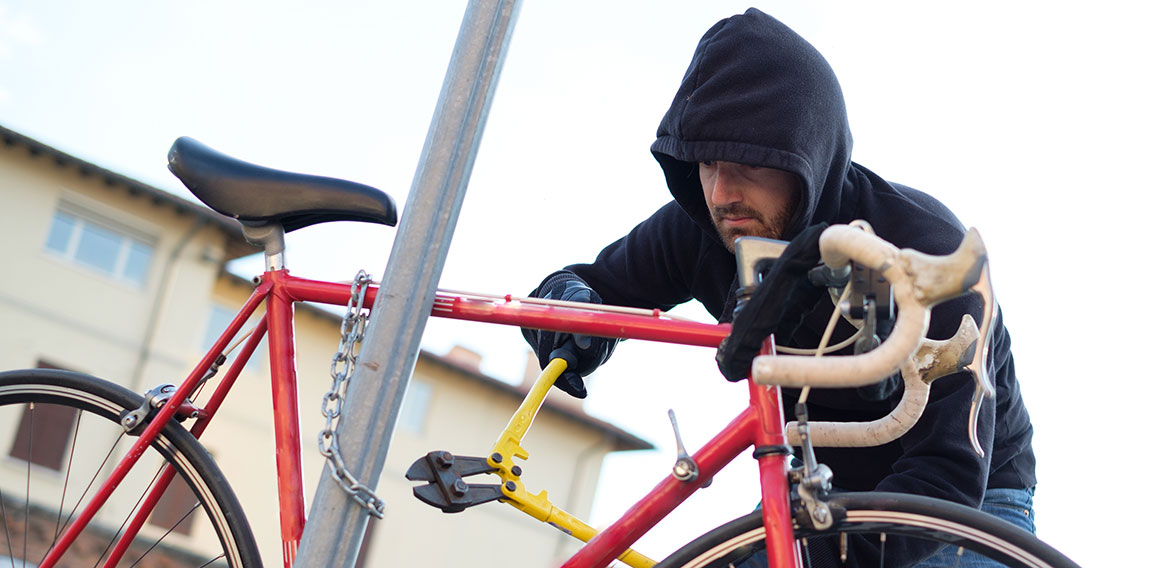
{"x": 761, "y": 425}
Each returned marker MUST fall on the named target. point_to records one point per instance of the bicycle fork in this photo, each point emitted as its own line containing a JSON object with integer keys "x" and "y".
{"x": 773, "y": 454}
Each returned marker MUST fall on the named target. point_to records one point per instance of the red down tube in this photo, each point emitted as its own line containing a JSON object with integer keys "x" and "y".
{"x": 667, "y": 495}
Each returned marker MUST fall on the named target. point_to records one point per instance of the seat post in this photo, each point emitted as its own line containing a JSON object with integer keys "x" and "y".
{"x": 271, "y": 237}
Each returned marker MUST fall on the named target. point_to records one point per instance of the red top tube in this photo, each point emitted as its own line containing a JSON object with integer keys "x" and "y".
{"x": 511, "y": 311}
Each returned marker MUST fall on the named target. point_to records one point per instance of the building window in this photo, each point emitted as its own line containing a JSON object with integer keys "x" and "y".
{"x": 220, "y": 316}
{"x": 173, "y": 511}
{"x": 100, "y": 245}
{"x": 415, "y": 407}
{"x": 52, "y": 428}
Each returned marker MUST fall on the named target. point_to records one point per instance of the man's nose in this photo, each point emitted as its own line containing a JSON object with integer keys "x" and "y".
{"x": 724, "y": 190}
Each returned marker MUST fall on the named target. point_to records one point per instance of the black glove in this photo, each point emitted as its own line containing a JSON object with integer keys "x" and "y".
{"x": 583, "y": 353}
{"x": 778, "y": 305}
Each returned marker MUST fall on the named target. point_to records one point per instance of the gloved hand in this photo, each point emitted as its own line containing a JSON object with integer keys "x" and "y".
{"x": 583, "y": 353}
{"x": 778, "y": 305}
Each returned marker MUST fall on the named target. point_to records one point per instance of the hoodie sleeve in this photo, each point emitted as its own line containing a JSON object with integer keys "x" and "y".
{"x": 664, "y": 261}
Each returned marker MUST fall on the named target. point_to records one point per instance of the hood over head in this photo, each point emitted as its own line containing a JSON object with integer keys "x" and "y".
{"x": 757, "y": 93}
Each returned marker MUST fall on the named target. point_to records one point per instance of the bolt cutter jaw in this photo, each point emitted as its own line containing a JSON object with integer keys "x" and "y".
{"x": 446, "y": 489}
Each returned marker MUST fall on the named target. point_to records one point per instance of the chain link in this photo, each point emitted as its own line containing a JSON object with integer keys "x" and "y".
{"x": 352, "y": 332}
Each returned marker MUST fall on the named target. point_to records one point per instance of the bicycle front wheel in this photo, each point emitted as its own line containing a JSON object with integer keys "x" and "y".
{"x": 62, "y": 434}
{"x": 876, "y": 529}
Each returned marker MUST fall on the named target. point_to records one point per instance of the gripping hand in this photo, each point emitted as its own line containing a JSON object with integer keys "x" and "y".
{"x": 583, "y": 353}
{"x": 778, "y": 305}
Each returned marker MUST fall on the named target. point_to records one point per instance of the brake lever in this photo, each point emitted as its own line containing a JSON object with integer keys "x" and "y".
{"x": 967, "y": 270}
{"x": 978, "y": 364}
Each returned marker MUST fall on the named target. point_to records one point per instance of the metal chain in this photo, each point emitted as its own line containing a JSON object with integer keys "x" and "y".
{"x": 352, "y": 332}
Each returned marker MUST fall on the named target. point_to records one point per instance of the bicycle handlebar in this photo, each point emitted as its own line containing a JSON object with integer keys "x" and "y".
{"x": 919, "y": 281}
{"x": 932, "y": 360}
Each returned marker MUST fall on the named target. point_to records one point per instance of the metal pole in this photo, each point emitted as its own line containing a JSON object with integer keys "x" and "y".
{"x": 336, "y": 523}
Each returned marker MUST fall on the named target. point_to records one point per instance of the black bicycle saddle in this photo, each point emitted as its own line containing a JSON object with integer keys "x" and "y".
{"x": 257, "y": 195}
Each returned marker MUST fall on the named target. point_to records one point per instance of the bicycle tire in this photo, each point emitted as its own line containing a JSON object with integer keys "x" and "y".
{"x": 922, "y": 519}
{"x": 48, "y": 497}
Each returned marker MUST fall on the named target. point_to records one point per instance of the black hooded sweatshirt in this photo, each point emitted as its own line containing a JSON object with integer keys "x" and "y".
{"x": 756, "y": 93}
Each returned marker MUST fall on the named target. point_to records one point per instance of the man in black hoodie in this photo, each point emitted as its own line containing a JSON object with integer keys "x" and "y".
{"x": 756, "y": 142}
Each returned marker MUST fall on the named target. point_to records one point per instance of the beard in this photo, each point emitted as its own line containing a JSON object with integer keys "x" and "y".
{"x": 766, "y": 226}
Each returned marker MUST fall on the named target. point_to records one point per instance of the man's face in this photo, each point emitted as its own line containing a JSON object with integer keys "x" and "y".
{"x": 748, "y": 201}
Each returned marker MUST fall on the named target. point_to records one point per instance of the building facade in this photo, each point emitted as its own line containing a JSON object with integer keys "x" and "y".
{"x": 110, "y": 277}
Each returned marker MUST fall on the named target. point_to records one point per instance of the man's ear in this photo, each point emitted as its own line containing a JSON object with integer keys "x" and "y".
{"x": 798, "y": 207}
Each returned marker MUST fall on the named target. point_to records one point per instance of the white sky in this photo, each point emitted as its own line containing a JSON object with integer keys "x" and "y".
{"x": 1032, "y": 121}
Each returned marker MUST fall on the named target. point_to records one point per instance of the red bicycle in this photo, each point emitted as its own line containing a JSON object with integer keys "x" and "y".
{"x": 799, "y": 516}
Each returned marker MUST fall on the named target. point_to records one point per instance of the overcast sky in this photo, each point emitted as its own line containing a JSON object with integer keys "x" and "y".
{"x": 1032, "y": 120}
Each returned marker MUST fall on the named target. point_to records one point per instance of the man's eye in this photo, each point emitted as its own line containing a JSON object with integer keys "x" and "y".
{"x": 707, "y": 163}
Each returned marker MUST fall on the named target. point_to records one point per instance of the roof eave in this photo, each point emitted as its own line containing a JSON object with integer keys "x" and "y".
{"x": 235, "y": 247}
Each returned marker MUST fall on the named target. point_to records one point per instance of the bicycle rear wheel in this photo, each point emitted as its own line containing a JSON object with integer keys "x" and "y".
{"x": 64, "y": 439}
{"x": 875, "y": 529}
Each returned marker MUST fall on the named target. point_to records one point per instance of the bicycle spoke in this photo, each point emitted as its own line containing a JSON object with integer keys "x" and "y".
{"x": 219, "y": 556}
{"x": 128, "y": 517}
{"x": 7, "y": 535}
{"x": 28, "y": 478}
{"x": 60, "y": 527}
{"x": 67, "y": 476}
{"x": 196, "y": 506}
{"x": 91, "y": 482}
{"x": 805, "y": 552}
{"x": 4, "y": 513}
{"x": 958, "y": 556}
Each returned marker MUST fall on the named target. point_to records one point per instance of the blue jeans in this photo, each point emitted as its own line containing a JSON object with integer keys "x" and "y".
{"x": 1011, "y": 505}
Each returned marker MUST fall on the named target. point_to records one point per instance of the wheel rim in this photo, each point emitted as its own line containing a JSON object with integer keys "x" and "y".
{"x": 38, "y": 507}
{"x": 905, "y": 522}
